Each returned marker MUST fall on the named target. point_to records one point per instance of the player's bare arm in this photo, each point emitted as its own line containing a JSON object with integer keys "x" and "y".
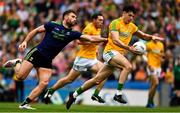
{"x": 116, "y": 41}
{"x": 93, "y": 39}
{"x": 81, "y": 42}
{"x": 34, "y": 32}
{"x": 146, "y": 36}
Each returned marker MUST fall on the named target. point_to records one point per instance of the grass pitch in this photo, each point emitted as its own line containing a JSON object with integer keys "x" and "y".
{"x": 13, "y": 108}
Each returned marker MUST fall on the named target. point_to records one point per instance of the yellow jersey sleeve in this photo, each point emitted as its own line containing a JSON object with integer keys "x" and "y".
{"x": 87, "y": 30}
{"x": 114, "y": 25}
{"x": 134, "y": 28}
{"x": 126, "y": 32}
{"x": 89, "y": 51}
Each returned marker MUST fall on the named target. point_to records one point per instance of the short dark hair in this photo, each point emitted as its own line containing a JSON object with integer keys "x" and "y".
{"x": 129, "y": 8}
{"x": 95, "y": 15}
{"x": 67, "y": 12}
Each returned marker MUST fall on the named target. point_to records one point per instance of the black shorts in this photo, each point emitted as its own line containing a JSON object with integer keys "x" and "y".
{"x": 37, "y": 59}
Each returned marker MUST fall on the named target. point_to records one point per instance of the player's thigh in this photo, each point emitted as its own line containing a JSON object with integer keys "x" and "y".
{"x": 154, "y": 79}
{"x": 72, "y": 75}
{"x": 96, "y": 67}
{"x": 25, "y": 68}
{"x": 44, "y": 74}
{"x": 120, "y": 61}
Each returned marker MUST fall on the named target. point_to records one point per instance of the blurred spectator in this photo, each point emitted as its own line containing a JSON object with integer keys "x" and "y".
{"x": 18, "y": 17}
{"x": 141, "y": 73}
{"x": 169, "y": 77}
{"x": 22, "y": 12}
{"x": 6, "y": 91}
{"x": 175, "y": 101}
{"x": 3, "y": 87}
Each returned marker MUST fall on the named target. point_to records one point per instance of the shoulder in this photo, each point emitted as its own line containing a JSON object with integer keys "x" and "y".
{"x": 115, "y": 21}
{"x": 161, "y": 44}
{"x": 132, "y": 24}
{"x": 114, "y": 25}
{"x": 53, "y": 23}
{"x": 57, "y": 23}
{"x": 89, "y": 26}
{"x": 148, "y": 43}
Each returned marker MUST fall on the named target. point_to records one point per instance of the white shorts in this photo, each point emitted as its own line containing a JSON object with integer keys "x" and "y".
{"x": 107, "y": 56}
{"x": 156, "y": 72}
{"x": 83, "y": 64}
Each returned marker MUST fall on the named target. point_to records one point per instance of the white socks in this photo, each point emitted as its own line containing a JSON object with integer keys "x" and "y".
{"x": 119, "y": 92}
{"x": 75, "y": 94}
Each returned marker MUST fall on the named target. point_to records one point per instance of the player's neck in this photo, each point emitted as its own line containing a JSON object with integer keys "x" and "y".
{"x": 124, "y": 20}
{"x": 65, "y": 25}
{"x": 95, "y": 25}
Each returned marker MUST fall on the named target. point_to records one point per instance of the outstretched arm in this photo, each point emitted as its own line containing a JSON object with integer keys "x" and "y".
{"x": 93, "y": 39}
{"x": 34, "y": 32}
{"x": 116, "y": 41}
{"x": 145, "y": 36}
{"x": 30, "y": 35}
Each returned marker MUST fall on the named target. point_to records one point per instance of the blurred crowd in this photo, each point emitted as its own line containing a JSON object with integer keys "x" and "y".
{"x": 19, "y": 17}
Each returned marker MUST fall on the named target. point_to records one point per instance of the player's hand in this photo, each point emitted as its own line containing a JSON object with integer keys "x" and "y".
{"x": 133, "y": 50}
{"x": 22, "y": 46}
{"x": 157, "y": 38}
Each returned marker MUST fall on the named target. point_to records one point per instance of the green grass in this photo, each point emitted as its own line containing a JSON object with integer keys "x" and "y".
{"x": 13, "y": 108}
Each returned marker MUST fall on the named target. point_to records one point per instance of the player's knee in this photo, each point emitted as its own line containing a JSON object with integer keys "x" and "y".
{"x": 97, "y": 81}
{"x": 44, "y": 83}
{"x": 155, "y": 84}
{"x": 128, "y": 67}
{"x": 68, "y": 80}
{"x": 20, "y": 77}
{"x": 17, "y": 78}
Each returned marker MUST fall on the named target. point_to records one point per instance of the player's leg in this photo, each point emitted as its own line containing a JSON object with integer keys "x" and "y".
{"x": 154, "y": 81}
{"x": 73, "y": 74}
{"x": 115, "y": 59}
{"x": 95, "y": 68}
{"x": 44, "y": 75}
{"x": 21, "y": 68}
{"x": 102, "y": 74}
{"x": 120, "y": 61}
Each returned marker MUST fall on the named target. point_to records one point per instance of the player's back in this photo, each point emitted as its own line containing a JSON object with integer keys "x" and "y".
{"x": 89, "y": 50}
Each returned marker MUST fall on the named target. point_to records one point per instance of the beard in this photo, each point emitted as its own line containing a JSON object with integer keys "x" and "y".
{"x": 71, "y": 24}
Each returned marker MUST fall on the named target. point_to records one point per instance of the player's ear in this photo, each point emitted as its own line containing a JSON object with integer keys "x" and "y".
{"x": 123, "y": 13}
{"x": 65, "y": 17}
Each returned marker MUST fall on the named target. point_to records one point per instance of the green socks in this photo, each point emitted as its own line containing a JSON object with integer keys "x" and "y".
{"x": 120, "y": 86}
{"x": 51, "y": 90}
{"x": 96, "y": 92}
{"x": 150, "y": 101}
{"x": 79, "y": 91}
{"x": 27, "y": 101}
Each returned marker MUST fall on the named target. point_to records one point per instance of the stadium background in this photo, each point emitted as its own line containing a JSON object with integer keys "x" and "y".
{"x": 18, "y": 17}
